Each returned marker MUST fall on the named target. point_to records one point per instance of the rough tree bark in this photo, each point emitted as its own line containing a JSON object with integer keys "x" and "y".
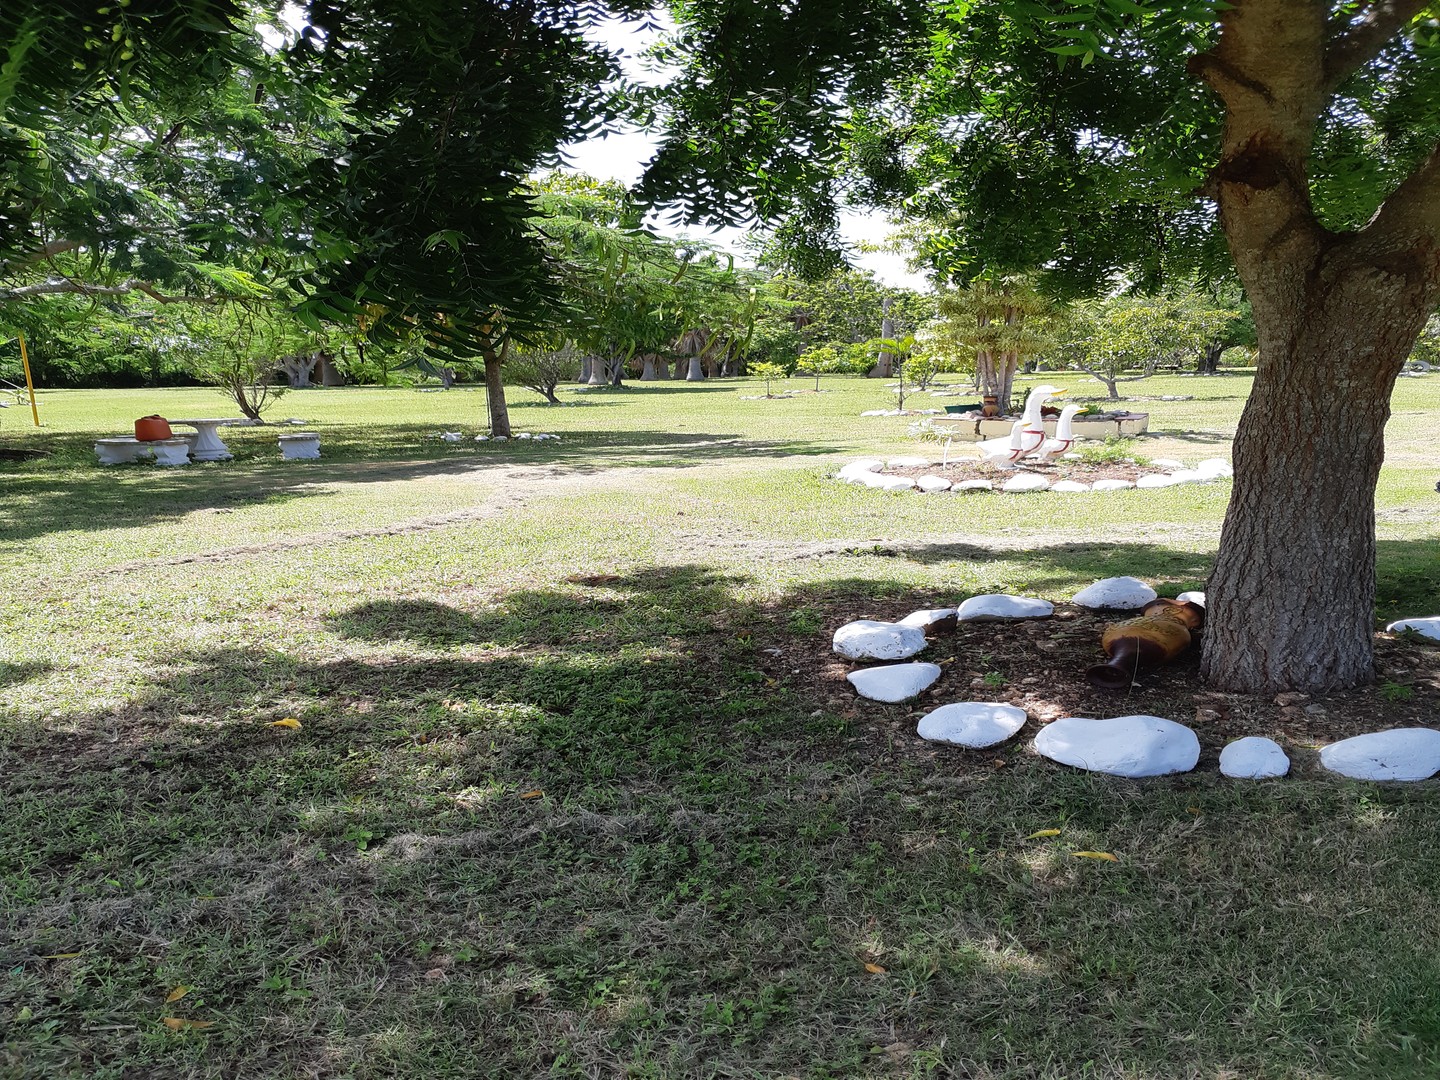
{"x": 647, "y": 373}
{"x": 1291, "y": 599}
{"x": 1209, "y": 362}
{"x": 495, "y": 389}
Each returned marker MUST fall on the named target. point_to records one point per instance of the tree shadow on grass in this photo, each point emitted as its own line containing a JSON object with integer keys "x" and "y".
{"x": 608, "y": 839}
{"x": 15, "y": 674}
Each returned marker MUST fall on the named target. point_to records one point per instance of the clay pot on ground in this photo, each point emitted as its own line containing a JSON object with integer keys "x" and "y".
{"x": 1164, "y": 630}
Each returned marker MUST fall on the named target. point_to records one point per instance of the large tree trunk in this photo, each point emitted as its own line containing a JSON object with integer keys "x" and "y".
{"x": 495, "y": 394}
{"x": 1291, "y": 600}
{"x": 647, "y": 373}
{"x": 697, "y": 370}
{"x": 1209, "y": 363}
{"x": 1292, "y": 596}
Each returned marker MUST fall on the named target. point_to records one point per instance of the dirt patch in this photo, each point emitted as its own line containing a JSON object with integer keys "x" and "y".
{"x": 1082, "y": 472}
{"x": 1039, "y": 665}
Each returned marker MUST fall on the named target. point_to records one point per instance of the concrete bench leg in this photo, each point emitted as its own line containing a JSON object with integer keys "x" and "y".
{"x": 303, "y": 445}
{"x": 120, "y": 450}
{"x": 172, "y": 452}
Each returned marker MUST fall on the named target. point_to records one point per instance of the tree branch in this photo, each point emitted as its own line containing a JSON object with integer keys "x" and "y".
{"x": 65, "y": 285}
{"x": 1353, "y": 44}
{"x": 46, "y": 251}
{"x": 1413, "y": 208}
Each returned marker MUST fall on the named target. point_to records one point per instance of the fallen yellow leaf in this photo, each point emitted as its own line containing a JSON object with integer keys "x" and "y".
{"x": 875, "y": 969}
{"x": 532, "y": 794}
{"x": 61, "y": 956}
{"x": 1043, "y": 832}
{"x": 174, "y": 1023}
{"x": 1095, "y": 855}
{"x": 176, "y": 994}
{"x": 288, "y": 722}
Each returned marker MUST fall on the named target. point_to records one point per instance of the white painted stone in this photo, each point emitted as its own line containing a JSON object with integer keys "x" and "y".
{"x": 894, "y": 682}
{"x": 1069, "y": 485}
{"x": 1397, "y": 754}
{"x": 1124, "y": 746}
{"x": 499, "y": 438}
{"x": 993, "y": 606}
{"x": 1427, "y": 627}
{"x": 1219, "y": 468}
{"x": 1196, "y": 597}
{"x": 1026, "y": 481}
{"x": 973, "y": 485}
{"x": 1156, "y": 480}
{"x": 861, "y": 467}
{"x": 867, "y": 639}
{"x": 482, "y": 438}
{"x": 523, "y": 435}
{"x": 547, "y": 438}
{"x": 1115, "y": 594}
{"x": 1167, "y": 463}
{"x": 909, "y": 463}
{"x": 928, "y": 617}
{"x": 449, "y": 436}
{"x": 1191, "y": 476}
{"x": 976, "y": 724}
{"x": 932, "y": 483}
{"x": 870, "y": 479}
{"x": 1111, "y": 485}
{"x": 896, "y": 483}
{"x": 1072, "y": 456}
{"x": 1254, "y": 758}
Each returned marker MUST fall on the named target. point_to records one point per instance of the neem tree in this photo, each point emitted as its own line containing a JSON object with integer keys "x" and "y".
{"x": 1113, "y": 136}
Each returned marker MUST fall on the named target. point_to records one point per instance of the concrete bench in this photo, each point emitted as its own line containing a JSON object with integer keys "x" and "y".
{"x": 124, "y": 449}
{"x": 301, "y": 445}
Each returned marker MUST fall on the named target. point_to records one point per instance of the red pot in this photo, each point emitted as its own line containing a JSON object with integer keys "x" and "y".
{"x": 152, "y": 429}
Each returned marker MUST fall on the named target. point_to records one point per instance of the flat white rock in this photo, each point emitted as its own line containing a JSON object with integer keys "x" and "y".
{"x": 1191, "y": 476}
{"x": 976, "y": 724}
{"x": 933, "y": 483}
{"x": 1026, "y": 481}
{"x": 867, "y": 639}
{"x": 909, "y": 463}
{"x": 1397, "y": 754}
{"x": 1167, "y": 463}
{"x": 1116, "y": 594}
{"x": 482, "y": 438}
{"x": 1196, "y": 597}
{"x": 895, "y": 483}
{"x": 973, "y": 485}
{"x": 864, "y": 465}
{"x": 1156, "y": 480}
{"x": 1428, "y": 627}
{"x": 894, "y": 682}
{"x": 928, "y": 617}
{"x": 1069, "y": 485}
{"x": 992, "y": 606}
{"x": 1124, "y": 746}
{"x": 1216, "y": 467}
{"x": 1254, "y": 758}
{"x": 1111, "y": 485}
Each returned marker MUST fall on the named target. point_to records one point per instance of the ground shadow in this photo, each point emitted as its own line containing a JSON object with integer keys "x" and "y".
{"x": 603, "y": 821}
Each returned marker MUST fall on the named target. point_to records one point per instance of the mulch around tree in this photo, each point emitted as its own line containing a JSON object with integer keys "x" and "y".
{"x": 1039, "y": 664}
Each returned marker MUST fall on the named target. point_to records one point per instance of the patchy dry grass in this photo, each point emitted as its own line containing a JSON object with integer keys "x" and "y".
{"x": 569, "y": 799}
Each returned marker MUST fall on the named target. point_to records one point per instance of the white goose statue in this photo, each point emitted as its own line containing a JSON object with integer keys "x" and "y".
{"x": 1003, "y": 453}
{"x": 1029, "y": 430}
{"x": 1063, "y": 440}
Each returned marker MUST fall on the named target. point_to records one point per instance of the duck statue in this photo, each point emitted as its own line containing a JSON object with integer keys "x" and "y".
{"x": 1063, "y": 440}
{"x": 1026, "y": 436}
{"x": 1003, "y": 453}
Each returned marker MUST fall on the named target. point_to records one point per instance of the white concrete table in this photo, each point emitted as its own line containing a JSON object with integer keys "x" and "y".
{"x": 208, "y": 446}
{"x": 120, "y": 450}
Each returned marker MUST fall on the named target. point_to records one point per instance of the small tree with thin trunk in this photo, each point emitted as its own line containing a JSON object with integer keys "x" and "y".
{"x": 543, "y": 369}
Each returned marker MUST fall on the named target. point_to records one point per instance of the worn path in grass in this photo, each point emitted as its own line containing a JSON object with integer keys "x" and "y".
{"x": 576, "y": 793}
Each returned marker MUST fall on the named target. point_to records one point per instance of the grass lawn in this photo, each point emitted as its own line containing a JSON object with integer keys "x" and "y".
{"x": 579, "y": 791}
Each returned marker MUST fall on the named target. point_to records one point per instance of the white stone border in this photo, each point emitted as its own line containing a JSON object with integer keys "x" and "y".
{"x": 870, "y": 472}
